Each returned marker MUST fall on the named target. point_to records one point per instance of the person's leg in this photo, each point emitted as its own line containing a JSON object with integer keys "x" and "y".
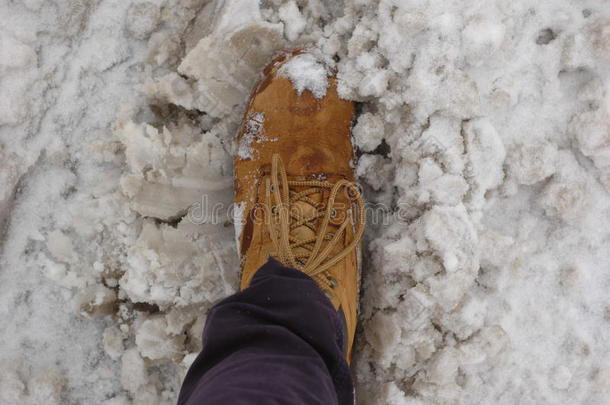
{"x": 279, "y": 341}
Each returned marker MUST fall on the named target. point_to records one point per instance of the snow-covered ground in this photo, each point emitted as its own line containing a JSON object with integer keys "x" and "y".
{"x": 483, "y": 128}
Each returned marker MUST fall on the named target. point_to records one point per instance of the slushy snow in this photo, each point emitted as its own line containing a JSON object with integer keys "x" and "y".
{"x": 483, "y": 141}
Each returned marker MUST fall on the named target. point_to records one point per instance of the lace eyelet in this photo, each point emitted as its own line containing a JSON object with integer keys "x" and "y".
{"x": 333, "y": 282}
{"x": 274, "y": 209}
{"x": 328, "y": 294}
{"x": 353, "y": 191}
{"x": 333, "y": 213}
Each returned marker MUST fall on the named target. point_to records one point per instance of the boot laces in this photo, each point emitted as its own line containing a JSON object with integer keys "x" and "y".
{"x": 315, "y": 255}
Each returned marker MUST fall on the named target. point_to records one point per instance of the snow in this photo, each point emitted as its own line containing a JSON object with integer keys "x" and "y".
{"x": 293, "y": 20}
{"x": 253, "y": 133}
{"x": 368, "y": 132}
{"x": 306, "y": 73}
{"x": 238, "y": 220}
{"x": 142, "y": 19}
{"x": 483, "y": 136}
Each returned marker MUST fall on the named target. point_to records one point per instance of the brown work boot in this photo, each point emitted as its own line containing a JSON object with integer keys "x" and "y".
{"x": 295, "y": 195}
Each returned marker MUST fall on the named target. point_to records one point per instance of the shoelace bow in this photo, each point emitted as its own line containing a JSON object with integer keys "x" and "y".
{"x": 314, "y": 259}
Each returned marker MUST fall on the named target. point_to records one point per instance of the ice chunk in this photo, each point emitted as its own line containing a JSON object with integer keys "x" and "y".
{"x": 133, "y": 371}
{"x": 444, "y": 367}
{"x": 167, "y": 267}
{"x": 374, "y": 83}
{"x": 224, "y": 65}
{"x": 155, "y": 342}
{"x": 591, "y": 129}
{"x": 294, "y": 22}
{"x": 566, "y": 195}
{"x": 368, "y": 131}
{"x": 486, "y": 156}
{"x": 60, "y": 246}
{"x": 384, "y": 335}
{"x": 171, "y": 173}
{"x": 451, "y": 235}
{"x": 375, "y": 171}
{"x": 531, "y": 163}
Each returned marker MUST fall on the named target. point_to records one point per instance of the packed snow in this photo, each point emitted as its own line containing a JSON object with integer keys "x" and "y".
{"x": 483, "y": 142}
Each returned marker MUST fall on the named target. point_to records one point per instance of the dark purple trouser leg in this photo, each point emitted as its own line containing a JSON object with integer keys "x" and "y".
{"x": 280, "y": 341}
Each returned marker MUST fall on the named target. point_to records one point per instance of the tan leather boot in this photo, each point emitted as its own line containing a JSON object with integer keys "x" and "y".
{"x": 295, "y": 195}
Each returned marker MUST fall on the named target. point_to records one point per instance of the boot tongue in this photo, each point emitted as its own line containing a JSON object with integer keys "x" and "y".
{"x": 303, "y": 210}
